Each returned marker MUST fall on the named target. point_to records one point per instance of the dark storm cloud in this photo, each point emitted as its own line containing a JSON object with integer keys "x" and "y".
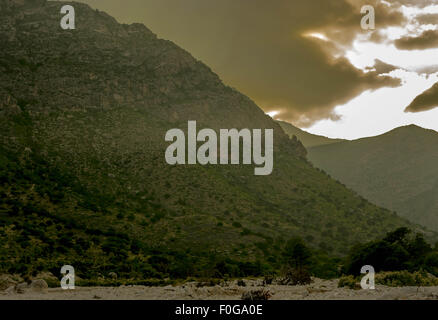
{"x": 381, "y": 67}
{"x": 427, "y": 40}
{"x": 428, "y": 100}
{"x": 260, "y": 47}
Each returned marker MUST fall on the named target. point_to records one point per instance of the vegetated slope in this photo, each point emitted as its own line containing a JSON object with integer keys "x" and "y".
{"x": 83, "y": 178}
{"x": 397, "y": 170}
{"x": 307, "y": 139}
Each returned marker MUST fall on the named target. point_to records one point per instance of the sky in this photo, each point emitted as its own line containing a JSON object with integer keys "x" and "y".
{"x": 309, "y": 62}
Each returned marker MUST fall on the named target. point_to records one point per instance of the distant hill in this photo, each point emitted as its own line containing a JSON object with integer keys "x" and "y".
{"x": 83, "y": 180}
{"x": 307, "y": 139}
{"x": 397, "y": 170}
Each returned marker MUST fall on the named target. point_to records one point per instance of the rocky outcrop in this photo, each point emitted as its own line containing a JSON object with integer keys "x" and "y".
{"x": 10, "y": 284}
{"x": 110, "y": 65}
{"x": 7, "y": 281}
{"x": 35, "y": 286}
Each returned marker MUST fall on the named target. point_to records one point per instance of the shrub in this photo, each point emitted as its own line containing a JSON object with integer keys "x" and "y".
{"x": 349, "y": 282}
{"x": 324, "y": 267}
{"x": 431, "y": 263}
{"x": 405, "y": 278}
{"x": 208, "y": 283}
{"x": 268, "y": 279}
{"x": 246, "y": 232}
{"x": 253, "y": 295}
{"x": 398, "y": 250}
{"x": 296, "y": 276}
{"x": 237, "y": 224}
{"x": 53, "y": 283}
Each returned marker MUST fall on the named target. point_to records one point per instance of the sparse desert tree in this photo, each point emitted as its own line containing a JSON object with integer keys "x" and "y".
{"x": 297, "y": 260}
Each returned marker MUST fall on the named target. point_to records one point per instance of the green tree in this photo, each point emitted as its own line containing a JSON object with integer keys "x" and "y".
{"x": 397, "y": 251}
{"x": 296, "y": 254}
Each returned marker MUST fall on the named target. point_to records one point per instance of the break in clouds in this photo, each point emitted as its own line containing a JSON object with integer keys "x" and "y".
{"x": 268, "y": 49}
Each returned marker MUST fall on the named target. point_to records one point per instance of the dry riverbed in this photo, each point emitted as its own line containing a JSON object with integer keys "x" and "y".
{"x": 318, "y": 290}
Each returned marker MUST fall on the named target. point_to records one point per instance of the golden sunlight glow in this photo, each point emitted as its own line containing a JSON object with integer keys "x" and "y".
{"x": 316, "y": 35}
{"x": 272, "y": 114}
{"x": 375, "y": 112}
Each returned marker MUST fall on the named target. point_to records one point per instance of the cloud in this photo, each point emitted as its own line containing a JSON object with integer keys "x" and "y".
{"x": 260, "y": 47}
{"x": 414, "y": 3}
{"x": 427, "y": 69}
{"x": 346, "y": 26}
{"x": 427, "y": 40}
{"x": 381, "y": 67}
{"x": 428, "y": 18}
{"x": 428, "y": 100}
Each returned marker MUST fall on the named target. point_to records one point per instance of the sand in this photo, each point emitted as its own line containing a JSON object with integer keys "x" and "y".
{"x": 318, "y": 290}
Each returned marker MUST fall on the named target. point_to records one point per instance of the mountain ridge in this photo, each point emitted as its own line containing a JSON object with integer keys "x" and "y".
{"x": 395, "y": 170}
{"x": 308, "y": 139}
{"x": 83, "y": 177}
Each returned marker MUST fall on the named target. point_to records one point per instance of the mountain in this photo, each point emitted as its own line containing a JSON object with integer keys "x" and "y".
{"x": 83, "y": 118}
{"x": 397, "y": 170}
{"x": 307, "y": 139}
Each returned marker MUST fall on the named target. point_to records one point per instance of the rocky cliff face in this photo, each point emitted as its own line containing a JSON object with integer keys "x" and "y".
{"x": 103, "y": 65}
{"x": 83, "y": 118}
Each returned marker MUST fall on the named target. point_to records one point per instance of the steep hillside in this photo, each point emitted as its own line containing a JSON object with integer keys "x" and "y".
{"x": 308, "y": 140}
{"x": 83, "y": 177}
{"x": 397, "y": 170}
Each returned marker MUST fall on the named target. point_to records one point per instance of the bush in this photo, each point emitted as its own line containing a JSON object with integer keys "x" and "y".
{"x": 349, "y": 282}
{"x": 405, "y": 278}
{"x": 53, "y": 283}
{"x": 324, "y": 267}
{"x": 431, "y": 263}
{"x": 237, "y": 224}
{"x": 253, "y": 295}
{"x": 208, "y": 283}
{"x": 268, "y": 279}
{"x": 296, "y": 276}
{"x": 398, "y": 250}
